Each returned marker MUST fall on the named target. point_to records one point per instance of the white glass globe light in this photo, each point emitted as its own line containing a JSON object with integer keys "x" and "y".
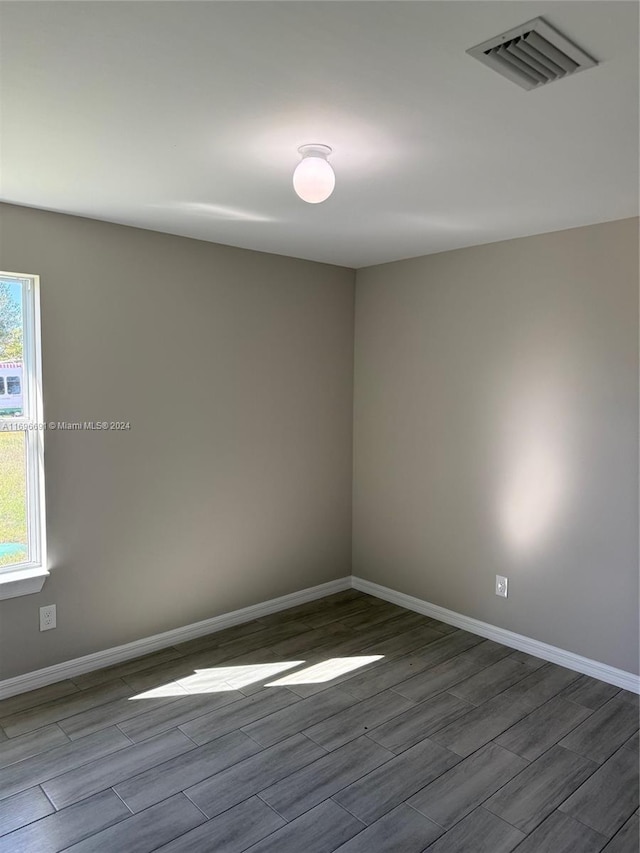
{"x": 313, "y": 178}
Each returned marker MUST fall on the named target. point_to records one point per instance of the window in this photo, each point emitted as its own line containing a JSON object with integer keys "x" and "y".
{"x": 22, "y": 532}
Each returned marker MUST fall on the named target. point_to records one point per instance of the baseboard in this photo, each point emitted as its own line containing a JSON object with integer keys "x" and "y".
{"x": 119, "y": 654}
{"x": 108, "y": 657}
{"x": 577, "y": 663}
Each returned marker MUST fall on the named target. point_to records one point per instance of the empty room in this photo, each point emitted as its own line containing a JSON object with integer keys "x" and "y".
{"x": 319, "y": 426}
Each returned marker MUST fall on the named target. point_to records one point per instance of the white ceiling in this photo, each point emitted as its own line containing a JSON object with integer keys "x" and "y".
{"x": 185, "y": 117}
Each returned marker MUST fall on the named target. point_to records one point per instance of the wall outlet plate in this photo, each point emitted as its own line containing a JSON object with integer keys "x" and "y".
{"x": 48, "y": 617}
{"x": 502, "y": 586}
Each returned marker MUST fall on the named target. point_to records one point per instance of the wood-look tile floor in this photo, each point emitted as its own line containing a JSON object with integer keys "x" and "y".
{"x": 345, "y": 724}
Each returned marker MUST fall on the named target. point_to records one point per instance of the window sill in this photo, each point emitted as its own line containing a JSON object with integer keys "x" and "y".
{"x": 22, "y": 582}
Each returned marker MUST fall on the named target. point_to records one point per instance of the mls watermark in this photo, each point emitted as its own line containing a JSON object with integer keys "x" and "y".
{"x": 62, "y": 426}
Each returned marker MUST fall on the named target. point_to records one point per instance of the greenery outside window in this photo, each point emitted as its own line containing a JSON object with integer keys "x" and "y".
{"x": 22, "y": 519}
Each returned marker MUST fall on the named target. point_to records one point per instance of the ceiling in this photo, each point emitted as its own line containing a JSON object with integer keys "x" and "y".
{"x": 185, "y": 117}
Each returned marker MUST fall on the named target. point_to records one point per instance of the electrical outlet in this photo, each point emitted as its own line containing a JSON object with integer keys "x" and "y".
{"x": 502, "y": 586}
{"x": 48, "y": 617}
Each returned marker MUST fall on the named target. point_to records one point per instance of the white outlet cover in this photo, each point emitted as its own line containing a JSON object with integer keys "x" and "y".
{"x": 502, "y": 586}
{"x": 48, "y": 617}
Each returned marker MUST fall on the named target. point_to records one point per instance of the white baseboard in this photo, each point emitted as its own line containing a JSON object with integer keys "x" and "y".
{"x": 108, "y": 657}
{"x": 577, "y": 663}
{"x": 119, "y": 654}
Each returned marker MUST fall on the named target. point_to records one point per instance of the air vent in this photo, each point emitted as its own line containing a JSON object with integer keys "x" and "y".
{"x": 532, "y": 55}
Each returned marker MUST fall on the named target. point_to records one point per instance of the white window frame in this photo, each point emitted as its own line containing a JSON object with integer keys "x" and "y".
{"x": 29, "y": 576}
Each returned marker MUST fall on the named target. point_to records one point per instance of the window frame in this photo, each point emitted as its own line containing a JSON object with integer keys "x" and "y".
{"x": 24, "y": 574}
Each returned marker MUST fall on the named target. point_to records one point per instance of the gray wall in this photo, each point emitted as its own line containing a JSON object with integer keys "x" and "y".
{"x": 496, "y": 432}
{"x": 233, "y": 485}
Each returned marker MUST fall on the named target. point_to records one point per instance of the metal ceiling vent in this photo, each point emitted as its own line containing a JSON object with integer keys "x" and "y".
{"x": 532, "y": 55}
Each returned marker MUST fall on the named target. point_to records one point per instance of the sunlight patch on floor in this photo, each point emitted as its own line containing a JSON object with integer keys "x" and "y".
{"x": 325, "y": 671}
{"x": 219, "y": 679}
{"x": 233, "y": 677}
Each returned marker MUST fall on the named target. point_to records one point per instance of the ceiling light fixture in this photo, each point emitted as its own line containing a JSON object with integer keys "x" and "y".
{"x": 313, "y": 178}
